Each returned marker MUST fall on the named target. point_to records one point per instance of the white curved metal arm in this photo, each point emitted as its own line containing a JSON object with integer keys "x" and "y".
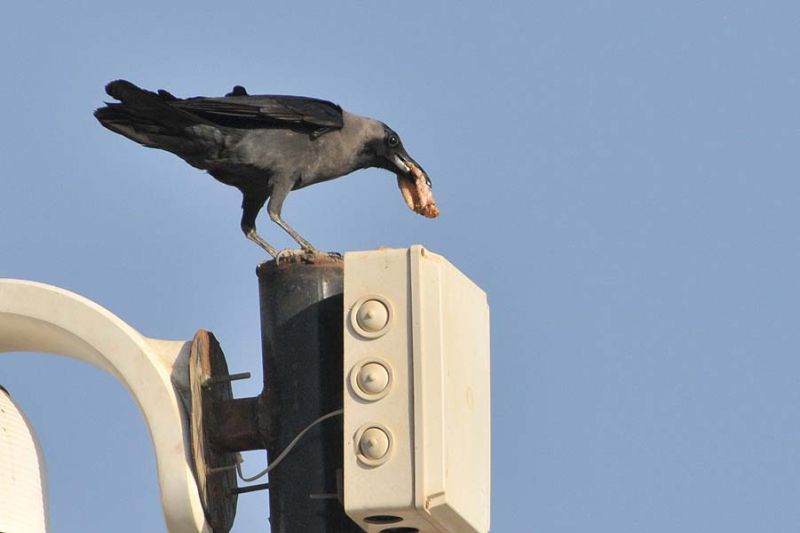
{"x": 35, "y": 317}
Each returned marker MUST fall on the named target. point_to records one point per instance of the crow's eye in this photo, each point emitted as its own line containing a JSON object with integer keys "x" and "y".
{"x": 392, "y": 140}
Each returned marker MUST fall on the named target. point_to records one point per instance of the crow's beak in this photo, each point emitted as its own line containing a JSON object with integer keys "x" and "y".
{"x": 414, "y": 184}
{"x": 403, "y": 164}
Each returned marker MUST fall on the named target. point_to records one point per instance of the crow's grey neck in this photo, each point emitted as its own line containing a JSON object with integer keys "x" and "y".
{"x": 355, "y": 135}
{"x": 342, "y": 151}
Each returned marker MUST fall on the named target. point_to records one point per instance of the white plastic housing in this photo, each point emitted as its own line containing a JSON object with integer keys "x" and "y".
{"x": 435, "y": 476}
{"x": 35, "y": 317}
{"x": 23, "y": 486}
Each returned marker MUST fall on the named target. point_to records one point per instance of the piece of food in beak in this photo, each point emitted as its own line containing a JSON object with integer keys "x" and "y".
{"x": 418, "y": 195}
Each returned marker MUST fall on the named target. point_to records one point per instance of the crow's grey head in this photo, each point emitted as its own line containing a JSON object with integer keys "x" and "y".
{"x": 382, "y": 148}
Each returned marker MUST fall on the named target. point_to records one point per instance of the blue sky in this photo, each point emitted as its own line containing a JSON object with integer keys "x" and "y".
{"x": 620, "y": 177}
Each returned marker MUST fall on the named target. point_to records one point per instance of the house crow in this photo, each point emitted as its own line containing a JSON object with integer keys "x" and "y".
{"x": 265, "y": 145}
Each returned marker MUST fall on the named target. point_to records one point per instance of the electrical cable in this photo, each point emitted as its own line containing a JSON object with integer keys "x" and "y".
{"x": 288, "y": 448}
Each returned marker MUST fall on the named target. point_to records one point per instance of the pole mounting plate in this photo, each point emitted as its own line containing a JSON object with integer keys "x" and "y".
{"x": 215, "y": 471}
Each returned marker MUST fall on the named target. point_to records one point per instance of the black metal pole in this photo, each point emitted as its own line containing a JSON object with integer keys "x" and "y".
{"x": 301, "y": 331}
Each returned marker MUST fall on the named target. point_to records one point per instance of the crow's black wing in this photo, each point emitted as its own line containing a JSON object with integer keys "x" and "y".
{"x": 265, "y": 110}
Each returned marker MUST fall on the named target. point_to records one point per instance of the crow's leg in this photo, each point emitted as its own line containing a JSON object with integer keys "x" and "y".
{"x": 278, "y": 195}
{"x": 256, "y": 238}
{"x": 251, "y": 205}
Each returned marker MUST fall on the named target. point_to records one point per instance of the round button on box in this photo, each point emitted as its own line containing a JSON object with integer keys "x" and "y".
{"x": 371, "y": 316}
{"x": 373, "y": 444}
{"x": 371, "y": 379}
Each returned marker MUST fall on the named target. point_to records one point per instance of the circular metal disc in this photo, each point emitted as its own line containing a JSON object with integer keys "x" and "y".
{"x": 215, "y": 472}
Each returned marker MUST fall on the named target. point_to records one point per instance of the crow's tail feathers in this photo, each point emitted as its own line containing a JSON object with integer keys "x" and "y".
{"x": 150, "y": 119}
{"x": 145, "y": 105}
{"x": 128, "y": 93}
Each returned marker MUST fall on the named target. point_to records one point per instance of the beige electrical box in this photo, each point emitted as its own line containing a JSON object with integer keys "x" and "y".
{"x": 417, "y": 429}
